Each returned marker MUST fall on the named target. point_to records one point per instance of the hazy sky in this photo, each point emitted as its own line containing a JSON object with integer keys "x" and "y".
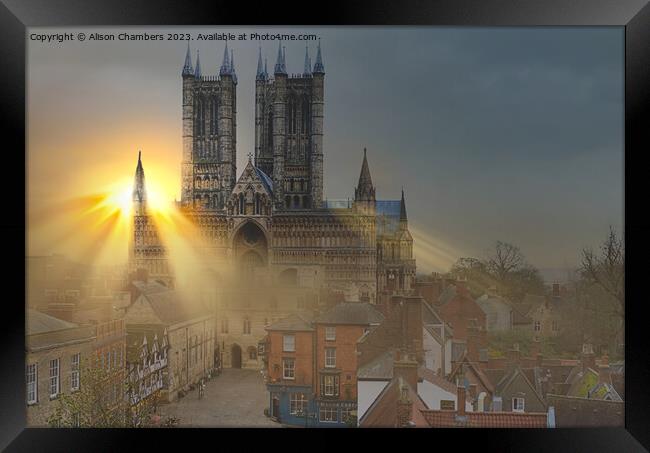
{"x": 495, "y": 133}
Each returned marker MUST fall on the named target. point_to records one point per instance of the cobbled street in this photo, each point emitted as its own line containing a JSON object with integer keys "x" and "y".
{"x": 236, "y": 398}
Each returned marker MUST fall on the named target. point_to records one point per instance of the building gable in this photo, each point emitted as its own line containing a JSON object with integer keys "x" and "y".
{"x": 141, "y": 312}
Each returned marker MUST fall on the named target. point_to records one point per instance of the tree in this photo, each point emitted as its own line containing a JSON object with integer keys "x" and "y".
{"x": 607, "y": 269}
{"x": 101, "y": 402}
{"x": 504, "y": 269}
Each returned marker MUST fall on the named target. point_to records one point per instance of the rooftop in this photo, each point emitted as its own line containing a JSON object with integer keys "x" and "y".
{"x": 38, "y": 322}
{"x": 351, "y": 313}
{"x": 294, "y": 322}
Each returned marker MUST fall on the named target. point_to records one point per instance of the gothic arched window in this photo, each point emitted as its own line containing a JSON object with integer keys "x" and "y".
{"x": 241, "y": 203}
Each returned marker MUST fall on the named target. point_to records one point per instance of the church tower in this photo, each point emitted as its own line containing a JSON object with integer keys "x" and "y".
{"x": 145, "y": 247}
{"x": 209, "y": 134}
{"x": 289, "y": 131}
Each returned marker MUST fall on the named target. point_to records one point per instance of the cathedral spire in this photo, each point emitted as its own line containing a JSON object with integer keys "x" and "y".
{"x": 139, "y": 188}
{"x": 260, "y": 68}
{"x": 402, "y": 210}
{"x": 225, "y": 64}
{"x": 266, "y": 71}
{"x": 187, "y": 67}
{"x": 280, "y": 66}
{"x": 307, "y": 69}
{"x": 365, "y": 190}
{"x": 318, "y": 67}
{"x": 197, "y": 71}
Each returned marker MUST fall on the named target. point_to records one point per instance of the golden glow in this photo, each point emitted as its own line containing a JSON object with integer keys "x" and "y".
{"x": 431, "y": 253}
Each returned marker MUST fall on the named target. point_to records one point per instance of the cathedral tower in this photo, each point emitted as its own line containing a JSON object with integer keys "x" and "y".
{"x": 289, "y": 131}
{"x": 209, "y": 134}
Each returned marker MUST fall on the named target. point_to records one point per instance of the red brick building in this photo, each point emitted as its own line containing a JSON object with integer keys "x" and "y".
{"x": 312, "y": 365}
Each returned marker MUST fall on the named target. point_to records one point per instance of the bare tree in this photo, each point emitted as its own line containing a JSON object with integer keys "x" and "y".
{"x": 607, "y": 268}
{"x": 504, "y": 269}
{"x": 505, "y": 260}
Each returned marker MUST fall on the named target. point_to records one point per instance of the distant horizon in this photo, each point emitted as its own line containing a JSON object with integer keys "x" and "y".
{"x": 495, "y": 134}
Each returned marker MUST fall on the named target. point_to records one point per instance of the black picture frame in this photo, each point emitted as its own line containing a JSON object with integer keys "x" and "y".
{"x": 633, "y": 15}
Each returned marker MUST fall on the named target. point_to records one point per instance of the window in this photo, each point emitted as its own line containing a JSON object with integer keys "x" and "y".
{"x": 32, "y": 383}
{"x": 517, "y": 405}
{"x": 54, "y": 378}
{"x": 554, "y": 326}
{"x": 538, "y": 326}
{"x": 330, "y": 357}
{"x": 329, "y": 385}
{"x": 289, "y": 369}
{"x": 252, "y": 353}
{"x": 224, "y": 325}
{"x": 288, "y": 343}
{"x": 297, "y": 404}
{"x": 247, "y": 326}
{"x": 348, "y": 414}
{"x": 328, "y": 414}
{"x": 330, "y": 333}
{"x": 74, "y": 377}
{"x": 447, "y": 405}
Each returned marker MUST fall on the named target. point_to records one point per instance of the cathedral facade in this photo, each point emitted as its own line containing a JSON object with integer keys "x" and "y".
{"x": 283, "y": 243}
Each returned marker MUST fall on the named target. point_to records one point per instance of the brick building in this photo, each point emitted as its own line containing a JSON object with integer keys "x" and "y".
{"x": 312, "y": 365}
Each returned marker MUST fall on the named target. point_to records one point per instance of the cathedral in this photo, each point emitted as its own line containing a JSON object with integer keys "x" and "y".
{"x": 271, "y": 227}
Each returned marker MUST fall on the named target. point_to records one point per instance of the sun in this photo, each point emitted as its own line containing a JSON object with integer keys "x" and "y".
{"x": 121, "y": 199}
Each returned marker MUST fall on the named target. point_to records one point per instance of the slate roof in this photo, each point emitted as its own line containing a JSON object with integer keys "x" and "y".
{"x": 351, "y": 313}
{"x": 338, "y": 204}
{"x": 478, "y": 371}
{"x": 294, "y": 322}
{"x": 381, "y": 367}
{"x": 167, "y": 303}
{"x": 382, "y": 413}
{"x": 46, "y": 332}
{"x": 38, "y": 322}
{"x": 508, "y": 376}
{"x": 449, "y": 419}
{"x": 268, "y": 182}
{"x": 572, "y": 412}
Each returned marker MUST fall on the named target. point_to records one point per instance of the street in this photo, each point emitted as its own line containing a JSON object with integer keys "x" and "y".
{"x": 236, "y": 398}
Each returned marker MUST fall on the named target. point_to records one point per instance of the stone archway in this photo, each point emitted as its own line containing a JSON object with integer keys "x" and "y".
{"x": 235, "y": 356}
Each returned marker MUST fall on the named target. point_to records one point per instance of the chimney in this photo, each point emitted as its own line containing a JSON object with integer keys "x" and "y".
{"x": 556, "y": 290}
{"x": 588, "y": 358}
{"x": 406, "y": 367}
{"x": 412, "y": 308}
{"x": 514, "y": 356}
{"x": 404, "y": 407}
{"x": 461, "y": 396}
{"x": 472, "y": 341}
{"x": 535, "y": 347}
